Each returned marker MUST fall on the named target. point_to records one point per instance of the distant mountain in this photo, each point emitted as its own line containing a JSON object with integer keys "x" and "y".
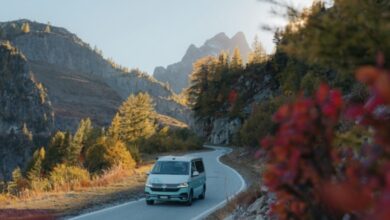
{"x": 177, "y": 74}
{"x": 80, "y": 82}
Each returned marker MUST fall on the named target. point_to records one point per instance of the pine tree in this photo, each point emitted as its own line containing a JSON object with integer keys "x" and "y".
{"x": 258, "y": 55}
{"x": 34, "y": 169}
{"x": 25, "y": 27}
{"x": 58, "y": 151}
{"x": 222, "y": 66}
{"x": 199, "y": 80}
{"x": 236, "y": 62}
{"x": 137, "y": 118}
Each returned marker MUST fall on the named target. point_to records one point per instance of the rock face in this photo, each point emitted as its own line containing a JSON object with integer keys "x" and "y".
{"x": 80, "y": 82}
{"x": 24, "y": 104}
{"x": 177, "y": 75}
{"x": 222, "y": 129}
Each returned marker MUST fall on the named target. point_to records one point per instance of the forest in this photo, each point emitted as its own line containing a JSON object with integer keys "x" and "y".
{"x": 324, "y": 127}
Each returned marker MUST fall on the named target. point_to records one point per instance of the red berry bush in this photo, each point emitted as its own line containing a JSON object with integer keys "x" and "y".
{"x": 312, "y": 177}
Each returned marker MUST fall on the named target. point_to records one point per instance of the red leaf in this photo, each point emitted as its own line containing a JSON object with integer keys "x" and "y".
{"x": 322, "y": 93}
{"x": 232, "y": 98}
{"x": 354, "y": 111}
{"x": 346, "y": 197}
{"x": 367, "y": 74}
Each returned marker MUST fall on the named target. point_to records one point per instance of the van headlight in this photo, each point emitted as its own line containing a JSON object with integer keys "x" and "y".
{"x": 182, "y": 185}
{"x": 149, "y": 185}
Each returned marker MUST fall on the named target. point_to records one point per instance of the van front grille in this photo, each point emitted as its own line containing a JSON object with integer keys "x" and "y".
{"x": 155, "y": 189}
{"x": 160, "y": 185}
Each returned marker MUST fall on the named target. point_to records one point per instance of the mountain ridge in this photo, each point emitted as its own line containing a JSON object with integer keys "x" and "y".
{"x": 176, "y": 75}
{"x": 59, "y": 52}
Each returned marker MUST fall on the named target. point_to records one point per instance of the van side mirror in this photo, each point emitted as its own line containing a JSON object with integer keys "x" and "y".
{"x": 147, "y": 173}
{"x": 195, "y": 173}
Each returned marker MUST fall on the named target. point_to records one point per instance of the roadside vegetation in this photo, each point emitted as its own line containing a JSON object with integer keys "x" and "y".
{"x": 324, "y": 129}
{"x": 94, "y": 156}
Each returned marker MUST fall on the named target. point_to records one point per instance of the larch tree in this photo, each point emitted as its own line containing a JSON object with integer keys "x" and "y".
{"x": 34, "y": 169}
{"x": 25, "y": 27}
{"x": 136, "y": 118}
{"x": 236, "y": 61}
{"x": 258, "y": 55}
{"x": 47, "y": 28}
{"x": 114, "y": 129}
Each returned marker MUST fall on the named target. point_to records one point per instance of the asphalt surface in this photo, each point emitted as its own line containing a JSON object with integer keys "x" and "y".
{"x": 222, "y": 184}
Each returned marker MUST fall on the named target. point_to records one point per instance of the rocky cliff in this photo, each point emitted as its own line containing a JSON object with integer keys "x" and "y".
{"x": 253, "y": 89}
{"x": 25, "y": 109}
{"x": 80, "y": 81}
{"x": 177, "y": 75}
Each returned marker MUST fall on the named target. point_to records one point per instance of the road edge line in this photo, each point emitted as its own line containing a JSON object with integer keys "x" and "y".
{"x": 221, "y": 204}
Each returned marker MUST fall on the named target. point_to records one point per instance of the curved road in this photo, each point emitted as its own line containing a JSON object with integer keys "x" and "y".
{"x": 222, "y": 183}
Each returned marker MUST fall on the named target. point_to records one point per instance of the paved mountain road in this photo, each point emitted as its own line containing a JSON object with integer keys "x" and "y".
{"x": 222, "y": 182}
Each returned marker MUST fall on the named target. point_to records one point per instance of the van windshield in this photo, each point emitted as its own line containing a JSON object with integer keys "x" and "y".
{"x": 171, "y": 168}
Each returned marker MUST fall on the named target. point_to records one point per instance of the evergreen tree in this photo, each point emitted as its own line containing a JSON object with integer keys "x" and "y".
{"x": 34, "y": 169}
{"x": 202, "y": 74}
{"x": 58, "y": 151}
{"x": 137, "y": 118}
{"x": 25, "y": 27}
{"x": 79, "y": 141}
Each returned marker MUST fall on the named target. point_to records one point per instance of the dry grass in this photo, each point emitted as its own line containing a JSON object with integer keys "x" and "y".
{"x": 112, "y": 187}
{"x": 116, "y": 185}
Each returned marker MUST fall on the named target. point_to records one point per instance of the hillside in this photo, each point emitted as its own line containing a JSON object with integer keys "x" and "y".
{"x": 25, "y": 110}
{"x": 80, "y": 81}
{"x": 177, "y": 74}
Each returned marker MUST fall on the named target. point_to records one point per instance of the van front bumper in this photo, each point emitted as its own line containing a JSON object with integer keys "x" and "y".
{"x": 169, "y": 194}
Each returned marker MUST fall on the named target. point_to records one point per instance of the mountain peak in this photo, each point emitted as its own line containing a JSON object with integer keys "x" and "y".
{"x": 239, "y": 36}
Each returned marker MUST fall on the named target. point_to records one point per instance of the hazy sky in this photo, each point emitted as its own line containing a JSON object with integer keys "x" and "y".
{"x": 148, "y": 33}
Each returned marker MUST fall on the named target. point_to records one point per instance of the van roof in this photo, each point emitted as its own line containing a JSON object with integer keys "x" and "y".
{"x": 178, "y": 158}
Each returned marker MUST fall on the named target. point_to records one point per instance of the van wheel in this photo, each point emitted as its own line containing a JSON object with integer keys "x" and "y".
{"x": 149, "y": 202}
{"x": 190, "y": 197}
{"x": 203, "y": 195}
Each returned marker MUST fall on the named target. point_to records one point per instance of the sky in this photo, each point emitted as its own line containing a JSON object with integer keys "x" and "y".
{"x": 148, "y": 33}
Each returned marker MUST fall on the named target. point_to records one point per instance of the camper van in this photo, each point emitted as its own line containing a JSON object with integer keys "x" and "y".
{"x": 176, "y": 179}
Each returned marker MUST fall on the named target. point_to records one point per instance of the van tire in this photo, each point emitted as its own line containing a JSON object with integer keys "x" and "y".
{"x": 190, "y": 198}
{"x": 149, "y": 202}
{"x": 203, "y": 195}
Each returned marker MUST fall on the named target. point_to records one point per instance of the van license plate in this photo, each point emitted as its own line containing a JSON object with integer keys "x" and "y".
{"x": 163, "y": 197}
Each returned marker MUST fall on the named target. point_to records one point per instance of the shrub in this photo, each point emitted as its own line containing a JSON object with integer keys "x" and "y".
{"x": 107, "y": 154}
{"x": 18, "y": 183}
{"x": 135, "y": 153}
{"x": 259, "y": 124}
{"x": 171, "y": 140}
{"x": 318, "y": 173}
{"x": 40, "y": 185}
{"x": 67, "y": 177}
